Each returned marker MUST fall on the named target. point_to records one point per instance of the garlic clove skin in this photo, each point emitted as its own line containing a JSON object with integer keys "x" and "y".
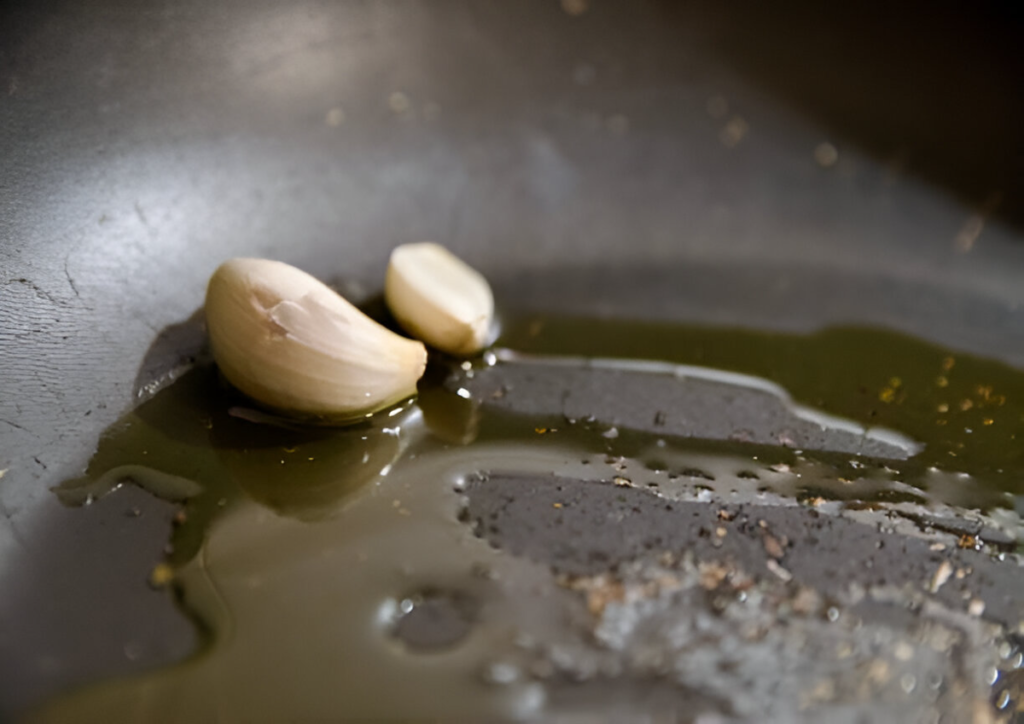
{"x": 439, "y": 298}
{"x": 290, "y": 342}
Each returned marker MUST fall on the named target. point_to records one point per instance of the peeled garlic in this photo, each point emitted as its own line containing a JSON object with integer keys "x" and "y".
{"x": 439, "y": 298}
{"x": 289, "y": 341}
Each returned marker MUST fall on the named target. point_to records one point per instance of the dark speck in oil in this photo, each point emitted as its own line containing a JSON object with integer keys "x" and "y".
{"x": 434, "y": 620}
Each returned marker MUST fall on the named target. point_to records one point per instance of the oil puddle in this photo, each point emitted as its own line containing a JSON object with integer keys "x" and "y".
{"x": 542, "y": 535}
{"x": 967, "y": 411}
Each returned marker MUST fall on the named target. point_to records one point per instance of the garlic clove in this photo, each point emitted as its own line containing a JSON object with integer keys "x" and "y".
{"x": 439, "y": 298}
{"x": 292, "y": 343}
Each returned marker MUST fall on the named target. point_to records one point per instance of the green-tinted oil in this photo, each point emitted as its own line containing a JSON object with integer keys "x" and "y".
{"x": 294, "y": 536}
{"x": 968, "y": 411}
{"x": 194, "y": 441}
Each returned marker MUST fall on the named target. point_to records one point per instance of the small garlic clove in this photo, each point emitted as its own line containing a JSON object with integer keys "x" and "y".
{"x": 439, "y": 298}
{"x": 290, "y": 342}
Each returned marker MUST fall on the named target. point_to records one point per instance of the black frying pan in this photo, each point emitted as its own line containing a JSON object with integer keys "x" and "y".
{"x": 784, "y": 166}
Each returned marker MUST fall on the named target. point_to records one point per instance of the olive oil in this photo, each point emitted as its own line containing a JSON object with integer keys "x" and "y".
{"x": 304, "y": 549}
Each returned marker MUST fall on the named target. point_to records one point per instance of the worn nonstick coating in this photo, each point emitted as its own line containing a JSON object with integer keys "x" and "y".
{"x": 636, "y": 160}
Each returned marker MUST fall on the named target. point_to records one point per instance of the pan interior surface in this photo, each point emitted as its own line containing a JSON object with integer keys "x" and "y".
{"x": 800, "y": 225}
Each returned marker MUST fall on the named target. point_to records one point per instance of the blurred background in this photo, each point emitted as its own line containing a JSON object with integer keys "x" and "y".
{"x": 776, "y": 165}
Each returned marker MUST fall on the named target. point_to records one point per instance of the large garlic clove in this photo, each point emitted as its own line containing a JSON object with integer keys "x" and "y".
{"x": 290, "y": 342}
{"x": 438, "y": 298}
